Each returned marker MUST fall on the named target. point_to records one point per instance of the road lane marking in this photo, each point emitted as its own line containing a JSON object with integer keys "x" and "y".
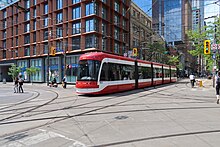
{"x": 43, "y": 136}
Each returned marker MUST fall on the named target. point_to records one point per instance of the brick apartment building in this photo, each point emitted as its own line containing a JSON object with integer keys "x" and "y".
{"x": 29, "y": 28}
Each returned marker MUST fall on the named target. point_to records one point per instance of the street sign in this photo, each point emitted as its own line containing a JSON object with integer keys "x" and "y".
{"x": 213, "y": 56}
{"x": 214, "y": 46}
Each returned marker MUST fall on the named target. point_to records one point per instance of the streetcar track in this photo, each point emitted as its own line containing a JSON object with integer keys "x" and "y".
{"x": 84, "y": 104}
{"x": 22, "y": 102}
{"x": 29, "y": 110}
{"x": 61, "y": 118}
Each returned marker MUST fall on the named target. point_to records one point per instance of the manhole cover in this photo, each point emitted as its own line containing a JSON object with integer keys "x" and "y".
{"x": 121, "y": 117}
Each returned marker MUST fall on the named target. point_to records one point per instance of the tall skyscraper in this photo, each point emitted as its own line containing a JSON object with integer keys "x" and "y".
{"x": 197, "y": 14}
{"x": 172, "y": 19}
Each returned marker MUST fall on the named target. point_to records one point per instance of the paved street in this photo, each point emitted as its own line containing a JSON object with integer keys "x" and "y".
{"x": 171, "y": 115}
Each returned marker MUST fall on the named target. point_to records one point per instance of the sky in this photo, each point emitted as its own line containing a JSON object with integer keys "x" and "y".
{"x": 145, "y": 5}
{"x": 212, "y": 9}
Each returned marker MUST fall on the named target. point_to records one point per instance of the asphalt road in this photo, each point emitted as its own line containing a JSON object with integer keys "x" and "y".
{"x": 171, "y": 115}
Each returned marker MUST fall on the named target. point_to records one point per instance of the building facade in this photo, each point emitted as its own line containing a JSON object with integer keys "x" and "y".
{"x": 140, "y": 30}
{"x": 172, "y": 19}
{"x": 30, "y": 28}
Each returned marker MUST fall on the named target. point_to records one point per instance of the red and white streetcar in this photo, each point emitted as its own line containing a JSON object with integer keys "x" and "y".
{"x": 102, "y": 73}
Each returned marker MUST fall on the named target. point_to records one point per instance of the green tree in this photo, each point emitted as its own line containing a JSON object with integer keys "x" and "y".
{"x": 153, "y": 49}
{"x": 197, "y": 37}
{"x": 14, "y": 71}
{"x": 31, "y": 71}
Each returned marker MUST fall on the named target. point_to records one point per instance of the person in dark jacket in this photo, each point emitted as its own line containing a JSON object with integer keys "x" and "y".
{"x": 20, "y": 81}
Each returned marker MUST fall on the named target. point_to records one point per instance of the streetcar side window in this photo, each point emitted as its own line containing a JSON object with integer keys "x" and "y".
{"x": 119, "y": 72}
{"x": 157, "y": 73}
{"x": 166, "y": 73}
{"x": 144, "y": 72}
{"x": 104, "y": 72}
{"x": 173, "y": 73}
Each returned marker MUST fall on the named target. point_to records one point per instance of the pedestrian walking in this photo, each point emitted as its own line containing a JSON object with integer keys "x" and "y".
{"x": 64, "y": 81}
{"x": 217, "y": 79}
{"x": 16, "y": 85}
{"x": 20, "y": 81}
{"x": 192, "y": 80}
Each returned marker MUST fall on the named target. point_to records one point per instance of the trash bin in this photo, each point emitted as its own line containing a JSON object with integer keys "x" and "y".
{"x": 4, "y": 81}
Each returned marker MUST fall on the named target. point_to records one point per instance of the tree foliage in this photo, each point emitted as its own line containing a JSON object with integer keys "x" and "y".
{"x": 31, "y": 71}
{"x": 14, "y": 71}
{"x": 197, "y": 37}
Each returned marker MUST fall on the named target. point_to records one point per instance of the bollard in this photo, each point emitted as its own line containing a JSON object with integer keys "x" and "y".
{"x": 200, "y": 83}
{"x": 4, "y": 81}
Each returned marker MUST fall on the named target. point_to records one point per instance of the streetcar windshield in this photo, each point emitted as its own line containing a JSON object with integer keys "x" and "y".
{"x": 88, "y": 70}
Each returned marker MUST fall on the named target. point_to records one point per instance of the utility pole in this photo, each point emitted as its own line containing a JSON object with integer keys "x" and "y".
{"x": 48, "y": 57}
{"x": 65, "y": 49}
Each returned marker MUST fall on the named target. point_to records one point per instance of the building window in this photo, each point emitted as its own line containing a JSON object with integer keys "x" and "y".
{"x": 76, "y": 28}
{"x": 116, "y": 48}
{"x": 4, "y": 24}
{"x": 104, "y": 1}
{"x": 16, "y": 41}
{"x": 59, "y": 46}
{"x": 45, "y": 35}
{"x": 46, "y": 22}
{"x": 116, "y": 6}
{"x": 4, "y": 44}
{"x": 4, "y": 14}
{"x": 4, "y": 54}
{"x": 76, "y": 43}
{"x": 59, "y": 4}
{"x": 91, "y": 25}
{"x": 75, "y": 1}
{"x": 34, "y": 50}
{"x": 27, "y": 39}
{"x": 104, "y": 16}
{"x": 34, "y": 37}
{"x": 27, "y": 4}
{"x": 27, "y": 16}
{"x": 34, "y": 25}
{"x": 104, "y": 44}
{"x": 91, "y": 41}
{"x": 116, "y": 19}
{"x": 27, "y": 51}
{"x": 34, "y": 13}
{"x": 91, "y": 8}
{"x": 123, "y": 11}
{"x": 4, "y": 34}
{"x": 76, "y": 12}
{"x": 16, "y": 30}
{"x": 117, "y": 33}
{"x": 45, "y": 48}
{"x": 27, "y": 27}
{"x": 124, "y": 24}
{"x": 59, "y": 17}
{"x": 59, "y": 32}
{"x": 45, "y": 8}
{"x": 104, "y": 29}
{"x": 34, "y": 2}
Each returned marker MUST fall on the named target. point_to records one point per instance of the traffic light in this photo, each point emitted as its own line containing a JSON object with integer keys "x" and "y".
{"x": 52, "y": 50}
{"x": 135, "y": 53}
{"x": 207, "y": 47}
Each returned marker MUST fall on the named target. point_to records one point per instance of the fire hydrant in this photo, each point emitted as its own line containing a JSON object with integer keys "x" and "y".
{"x": 200, "y": 83}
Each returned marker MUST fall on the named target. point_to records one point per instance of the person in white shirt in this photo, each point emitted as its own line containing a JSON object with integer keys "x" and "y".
{"x": 217, "y": 81}
{"x": 192, "y": 80}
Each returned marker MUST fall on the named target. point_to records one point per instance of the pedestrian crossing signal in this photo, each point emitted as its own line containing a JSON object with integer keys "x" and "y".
{"x": 135, "y": 53}
{"x": 52, "y": 51}
{"x": 207, "y": 48}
